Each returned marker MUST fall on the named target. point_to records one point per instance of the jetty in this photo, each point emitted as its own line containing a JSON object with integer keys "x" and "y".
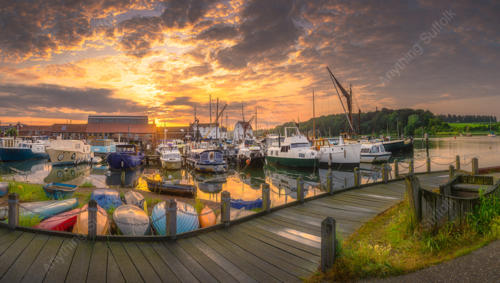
{"x": 283, "y": 244}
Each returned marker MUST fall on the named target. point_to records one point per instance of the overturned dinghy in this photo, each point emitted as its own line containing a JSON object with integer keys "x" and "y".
{"x": 106, "y": 198}
{"x": 41, "y": 209}
{"x": 59, "y": 190}
{"x": 135, "y": 198}
{"x": 131, "y": 220}
{"x": 187, "y": 218}
{"x": 170, "y": 188}
{"x": 60, "y": 222}
{"x": 82, "y": 221}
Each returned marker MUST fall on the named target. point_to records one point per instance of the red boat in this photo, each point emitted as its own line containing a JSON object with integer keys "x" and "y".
{"x": 61, "y": 222}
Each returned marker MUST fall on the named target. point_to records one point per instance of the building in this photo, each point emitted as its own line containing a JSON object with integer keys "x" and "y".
{"x": 208, "y": 131}
{"x": 169, "y": 133}
{"x": 35, "y": 131}
{"x": 69, "y": 131}
{"x": 121, "y": 128}
{"x": 242, "y": 129}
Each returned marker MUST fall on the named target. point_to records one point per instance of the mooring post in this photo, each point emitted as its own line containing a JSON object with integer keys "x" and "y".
{"x": 457, "y": 162}
{"x": 428, "y": 162}
{"x": 451, "y": 171}
{"x": 92, "y": 219}
{"x": 266, "y": 197}
{"x": 414, "y": 196}
{"x": 328, "y": 242}
{"x": 300, "y": 190}
{"x": 356, "y": 177}
{"x": 171, "y": 218}
{"x": 225, "y": 209}
{"x": 330, "y": 160}
{"x": 475, "y": 166}
{"x": 329, "y": 182}
{"x": 13, "y": 202}
{"x": 411, "y": 168}
{"x": 396, "y": 169}
{"x": 385, "y": 173}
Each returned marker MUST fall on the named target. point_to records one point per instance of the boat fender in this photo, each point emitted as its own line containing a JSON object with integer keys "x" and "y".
{"x": 121, "y": 164}
{"x": 60, "y": 156}
{"x": 73, "y": 156}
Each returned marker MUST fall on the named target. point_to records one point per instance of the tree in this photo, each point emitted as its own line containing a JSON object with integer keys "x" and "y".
{"x": 12, "y": 132}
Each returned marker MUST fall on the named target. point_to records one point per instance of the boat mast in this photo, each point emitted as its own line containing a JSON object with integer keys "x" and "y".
{"x": 314, "y": 118}
{"x": 347, "y": 95}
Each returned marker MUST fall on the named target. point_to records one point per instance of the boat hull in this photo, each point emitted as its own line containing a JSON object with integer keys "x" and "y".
{"x": 82, "y": 222}
{"x": 106, "y": 198}
{"x": 123, "y": 161}
{"x": 20, "y": 154}
{"x": 59, "y": 191}
{"x": 171, "y": 165}
{"x": 293, "y": 162}
{"x": 346, "y": 154}
{"x": 398, "y": 145}
{"x": 375, "y": 158}
{"x": 171, "y": 189}
{"x": 60, "y": 222}
{"x": 66, "y": 157}
{"x": 187, "y": 218}
{"x": 131, "y": 220}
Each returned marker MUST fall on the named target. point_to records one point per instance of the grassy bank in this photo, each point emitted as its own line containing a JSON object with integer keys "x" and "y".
{"x": 27, "y": 191}
{"x": 390, "y": 245}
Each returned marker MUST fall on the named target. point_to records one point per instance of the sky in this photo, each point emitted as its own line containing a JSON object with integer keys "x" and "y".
{"x": 63, "y": 60}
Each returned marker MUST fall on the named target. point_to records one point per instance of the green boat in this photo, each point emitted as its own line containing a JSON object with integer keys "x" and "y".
{"x": 295, "y": 151}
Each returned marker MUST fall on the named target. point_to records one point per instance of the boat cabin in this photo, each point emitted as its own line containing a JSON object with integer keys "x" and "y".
{"x": 126, "y": 148}
{"x": 373, "y": 148}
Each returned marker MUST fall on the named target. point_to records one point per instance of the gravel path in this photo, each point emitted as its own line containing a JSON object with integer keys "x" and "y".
{"x": 482, "y": 265}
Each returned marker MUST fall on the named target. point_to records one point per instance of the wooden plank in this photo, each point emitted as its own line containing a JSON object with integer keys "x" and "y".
{"x": 62, "y": 261}
{"x": 294, "y": 216}
{"x": 12, "y": 253}
{"x": 267, "y": 267}
{"x": 292, "y": 234}
{"x": 141, "y": 263}
{"x": 124, "y": 262}
{"x": 350, "y": 207}
{"x": 98, "y": 263}
{"x": 162, "y": 269}
{"x": 241, "y": 262}
{"x": 41, "y": 264}
{"x": 80, "y": 264}
{"x": 113, "y": 273}
{"x": 191, "y": 264}
{"x": 25, "y": 259}
{"x": 293, "y": 225}
{"x": 7, "y": 240}
{"x": 226, "y": 265}
{"x": 265, "y": 253}
{"x": 182, "y": 273}
{"x": 206, "y": 262}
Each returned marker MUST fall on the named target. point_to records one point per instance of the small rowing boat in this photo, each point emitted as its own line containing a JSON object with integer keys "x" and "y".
{"x": 59, "y": 190}
{"x": 60, "y": 222}
{"x": 246, "y": 204}
{"x": 168, "y": 187}
{"x": 41, "y": 209}
{"x": 187, "y": 218}
{"x": 82, "y": 221}
{"x": 106, "y": 198}
{"x": 131, "y": 220}
{"x": 135, "y": 198}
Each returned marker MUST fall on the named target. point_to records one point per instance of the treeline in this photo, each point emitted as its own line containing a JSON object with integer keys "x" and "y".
{"x": 408, "y": 122}
{"x": 467, "y": 118}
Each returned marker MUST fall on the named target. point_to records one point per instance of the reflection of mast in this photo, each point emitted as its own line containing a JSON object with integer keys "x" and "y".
{"x": 348, "y": 98}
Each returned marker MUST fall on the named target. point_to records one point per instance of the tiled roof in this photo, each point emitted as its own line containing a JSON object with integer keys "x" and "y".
{"x": 121, "y": 128}
{"x": 69, "y": 128}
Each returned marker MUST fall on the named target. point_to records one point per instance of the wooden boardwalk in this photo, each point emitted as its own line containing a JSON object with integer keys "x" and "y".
{"x": 280, "y": 246}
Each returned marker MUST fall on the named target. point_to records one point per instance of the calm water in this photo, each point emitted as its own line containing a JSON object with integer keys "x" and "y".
{"x": 246, "y": 184}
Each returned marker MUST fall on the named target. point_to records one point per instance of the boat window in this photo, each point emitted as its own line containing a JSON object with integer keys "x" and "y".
{"x": 374, "y": 149}
{"x": 285, "y": 148}
{"x": 302, "y": 144}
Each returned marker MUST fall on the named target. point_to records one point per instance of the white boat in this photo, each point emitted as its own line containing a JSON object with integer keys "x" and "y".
{"x": 170, "y": 157}
{"x": 250, "y": 154}
{"x": 294, "y": 151}
{"x": 69, "y": 152}
{"x": 338, "y": 152}
{"x": 374, "y": 152}
{"x": 12, "y": 149}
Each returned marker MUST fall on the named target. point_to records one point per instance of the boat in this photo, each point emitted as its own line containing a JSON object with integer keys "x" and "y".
{"x": 207, "y": 217}
{"x": 337, "y": 152}
{"x": 135, "y": 198}
{"x": 207, "y": 160}
{"x": 170, "y": 156}
{"x": 169, "y": 187}
{"x": 295, "y": 151}
{"x": 250, "y": 154}
{"x": 126, "y": 157}
{"x": 131, "y": 220}
{"x": 246, "y": 204}
{"x": 82, "y": 221}
{"x": 59, "y": 190}
{"x": 60, "y": 222}
{"x": 398, "y": 145}
{"x": 209, "y": 183}
{"x": 4, "y": 188}
{"x": 69, "y": 152}
{"x": 12, "y": 149}
{"x": 102, "y": 147}
{"x": 187, "y": 218}
{"x": 106, "y": 198}
{"x": 42, "y": 209}
{"x": 374, "y": 153}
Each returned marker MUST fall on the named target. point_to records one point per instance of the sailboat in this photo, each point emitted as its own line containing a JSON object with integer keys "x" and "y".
{"x": 491, "y": 133}
{"x": 294, "y": 151}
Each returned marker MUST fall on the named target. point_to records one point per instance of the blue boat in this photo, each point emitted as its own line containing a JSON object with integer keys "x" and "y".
{"x": 246, "y": 204}
{"x": 18, "y": 150}
{"x": 187, "y": 218}
{"x": 102, "y": 147}
{"x": 207, "y": 160}
{"x": 4, "y": 188}
{"x": 106, "y": 198}
{"x": 59, "y": 190}
{"x": 42, "y": 209}
{"x": 125, "y": 157}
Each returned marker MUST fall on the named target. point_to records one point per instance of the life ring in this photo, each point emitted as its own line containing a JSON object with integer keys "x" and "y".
{"x": 73, "y": 156}
{"x": 60, "y": 156}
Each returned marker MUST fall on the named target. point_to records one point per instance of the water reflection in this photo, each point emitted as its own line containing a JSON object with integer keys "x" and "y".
{"x": 71, "y": 174}
{"x": 127, "y": 179}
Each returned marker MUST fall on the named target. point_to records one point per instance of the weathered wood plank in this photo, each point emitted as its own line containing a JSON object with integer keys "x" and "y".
{"x": 80, "y": 264}
{"x": 62, "y": 261}
{"x": 41, "y": 264}
{"x": 98, "y": 263}
{"x": 113, "y": 273}
{"x": 141, "y": 263}
{"x": 13, "y": 252}
{"x": 191, "y": 264}
{"x": 124, "y": 262}
{"x": 25, "y": 259}
{"x": 7, "y": 240}
{"x": 162, "y": 269}
{"x": 173, "y": 263}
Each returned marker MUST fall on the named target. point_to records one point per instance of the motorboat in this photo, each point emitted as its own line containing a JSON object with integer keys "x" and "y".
{"x": 294, "y": 151}
{"x": 207, "y": 160}
{"x": 170, "y": 156}
{"x": 126, "y": 157}
{"x": 102, "y": 147}
{"x": 337, "y": 152}
{"x": 69, "y": 152}
{"x": 374, "y": 153}
{"x": 250, "y": 154}
{"x": 12, "y": 149}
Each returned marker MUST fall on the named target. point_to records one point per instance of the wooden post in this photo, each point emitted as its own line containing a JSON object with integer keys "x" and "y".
{"x": 328, "y": 243}
{"x": 330, "y": 160}
{"x": 414, "y": 196}
{"x": 475, "y": 166}
{"x": 225, "y": 210}
{"x": 396, "y": 169}
{"x": 300, "y": 190}
{"x": 92, "y": 219}
{"x": 457, "y": 162}
{"x": 411, "y": 168}
{"x": 171, "y": 218}
{"x": 13, "y": 202}
{"x": 428, "y": 162}
{"x": 451, "y": 171}
{"x": 356, "y": 177}
{"x": 329, "y": 182}
{"x": 385, "y": 173}
{"x": 266, "y": 197}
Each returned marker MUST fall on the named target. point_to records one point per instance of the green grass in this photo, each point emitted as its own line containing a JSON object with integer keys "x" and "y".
{"x": 83, "y": 198}
{"x": 391, "y": 245}
{"x": 28, "y": 192}
{"x": 87, "y": 184}
{"x": 29, "y": 221}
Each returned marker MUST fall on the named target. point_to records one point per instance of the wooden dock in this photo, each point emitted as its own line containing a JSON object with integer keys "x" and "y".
{"x": 281, "y": 246}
